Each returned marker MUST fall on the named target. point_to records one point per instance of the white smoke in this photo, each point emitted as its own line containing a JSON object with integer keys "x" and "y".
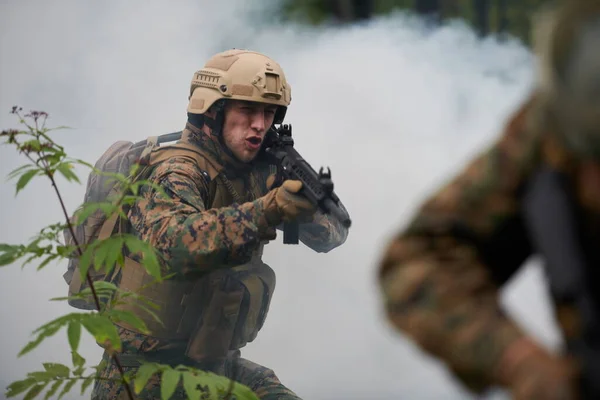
{"x": 392, "y": 108}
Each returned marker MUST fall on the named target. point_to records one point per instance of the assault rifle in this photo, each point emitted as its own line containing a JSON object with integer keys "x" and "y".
{"x": 316, "y": 186}
{"x": 550, "y": 216}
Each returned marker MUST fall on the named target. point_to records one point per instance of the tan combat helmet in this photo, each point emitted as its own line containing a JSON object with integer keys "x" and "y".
{"x": 240, "y": 75}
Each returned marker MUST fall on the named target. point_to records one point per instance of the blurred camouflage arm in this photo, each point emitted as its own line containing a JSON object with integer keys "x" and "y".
{"x": 187, "y": 235}
{"x": 440, "y": 277}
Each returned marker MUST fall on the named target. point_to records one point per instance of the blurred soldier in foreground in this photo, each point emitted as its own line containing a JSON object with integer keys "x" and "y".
{"x": 536, "y": 190}
{"x": 223, "y": 202}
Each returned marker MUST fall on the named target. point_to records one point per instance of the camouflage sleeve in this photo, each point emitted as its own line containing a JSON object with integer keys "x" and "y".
{"x": 188, "y": 236}
{"x": 440, "y": 277}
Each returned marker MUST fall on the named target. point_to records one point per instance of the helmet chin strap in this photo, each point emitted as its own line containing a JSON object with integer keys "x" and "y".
{"x": 215, "y": 124}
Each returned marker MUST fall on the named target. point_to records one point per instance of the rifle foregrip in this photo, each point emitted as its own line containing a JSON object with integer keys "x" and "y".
{"x": 291, "y": 232}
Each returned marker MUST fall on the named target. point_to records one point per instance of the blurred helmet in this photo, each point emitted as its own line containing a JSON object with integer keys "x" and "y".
{"x": 566, "y": 40}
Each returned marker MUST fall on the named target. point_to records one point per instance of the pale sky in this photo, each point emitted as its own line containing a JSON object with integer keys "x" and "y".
{"x": 393, "y": 109}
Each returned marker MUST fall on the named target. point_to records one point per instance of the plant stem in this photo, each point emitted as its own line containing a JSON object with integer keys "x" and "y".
{"x": 50, "y": 176}
{"x": 88, "y": 277}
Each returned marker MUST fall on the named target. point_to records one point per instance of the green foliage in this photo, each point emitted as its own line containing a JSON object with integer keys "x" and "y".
{"x": 54, "y": 376}
{"x": 45, "y": 245}
{"x": 518, "y": 12}
{"x": 197, "y": 384}
{"x": 47, "y": 159}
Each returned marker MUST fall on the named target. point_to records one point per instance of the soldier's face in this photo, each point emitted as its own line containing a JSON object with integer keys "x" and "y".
{"x": 245, "y": 126}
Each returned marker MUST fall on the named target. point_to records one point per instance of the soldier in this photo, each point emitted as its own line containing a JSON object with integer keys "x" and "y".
{"x": 441, "y": 276}
{"x": 211, "y": 228}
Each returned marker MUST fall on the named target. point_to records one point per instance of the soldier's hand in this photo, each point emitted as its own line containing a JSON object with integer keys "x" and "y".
{"x": 534, "y": 374}
{"x": 285, "y": 204}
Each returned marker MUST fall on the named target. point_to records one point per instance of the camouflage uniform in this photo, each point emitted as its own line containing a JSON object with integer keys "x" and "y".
{"x": 441, "y": 275}
{"x": 194, "y": 239}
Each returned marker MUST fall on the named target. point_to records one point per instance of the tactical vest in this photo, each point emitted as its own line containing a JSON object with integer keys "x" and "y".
{"x": 222, "y": 310}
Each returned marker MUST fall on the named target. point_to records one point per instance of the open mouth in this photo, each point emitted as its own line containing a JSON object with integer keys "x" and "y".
{"x": 255, "y": 141}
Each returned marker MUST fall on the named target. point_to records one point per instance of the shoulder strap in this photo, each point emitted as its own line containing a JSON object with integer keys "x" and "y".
{"x": 158, "y": 154}
{"x": 161, "y": 153}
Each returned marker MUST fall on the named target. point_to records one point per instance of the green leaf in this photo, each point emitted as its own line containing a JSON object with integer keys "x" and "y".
{"x": 66, "y": 251}
{"x": 103, "y": 330}
{"x": 90, "y": 208}
{"x": 7, "y": 247}
{"x": 66, "y": 170}
{"x": 192, "y": 384}
{"x": 35, "y": 343}
{"x": 77, "y": 359}
{"x": 99, "y": 256}
{"x": 107, "y": 253}
{"x": 24, "y": 179}
{"x": 77, "y": 296}
{"x": 168, "y": 384}
{"x": 57, "y": 370}
{"x": 84, "y": 163}
{"x": 202, "y": 384}
{"x": 9, "y": 254}
{"x": 74, "y": 334}
{"x": 18, "y": 387}
{"x": 105, "y": 286}
{"x": 47, "y": 260}
{"x": 130, "y": 318}
{"x": 35, "y": 390}
{"x": 129, "y": 200}
{"x": 53, "y": 389}
{"x": 144, "y": 373}
{"x": 101, "y": 365}
{"x": 58, "y": 127}
{"x": 150, "y": 260}
{"x": 7, "y": 259}
{"x": 86, "y": 383}
{"x": 52, "y": 158}
{"x": 85, "y": 261}
{"x": 16, "y": 172}
{"x": 40, "y": 376}
{"x": 67, "y": 388}
{"x": 114, "y": 250}
{"x": 32, "y": 145}
{"x": 154, "y": 316}
{"x": 51, "y": 328}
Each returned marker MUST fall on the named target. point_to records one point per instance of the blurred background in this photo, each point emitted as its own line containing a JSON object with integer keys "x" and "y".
{"x": 394, "y": 96}
{"x": 498, "y": 17}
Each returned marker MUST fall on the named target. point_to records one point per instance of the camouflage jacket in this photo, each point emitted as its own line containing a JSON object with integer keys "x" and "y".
{"x": 193, "y": 237}
{"x": 441, "y": 275}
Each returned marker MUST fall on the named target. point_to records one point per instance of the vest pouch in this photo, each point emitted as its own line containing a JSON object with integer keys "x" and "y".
{"x": 235, "y": 311}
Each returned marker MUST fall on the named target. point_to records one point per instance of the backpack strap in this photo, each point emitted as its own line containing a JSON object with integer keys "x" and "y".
{"x": 159, "y": 154}
{"x": 108, "y": 227}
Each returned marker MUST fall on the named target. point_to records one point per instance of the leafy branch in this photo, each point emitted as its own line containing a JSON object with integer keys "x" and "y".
{"x": 47, "y": 159}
